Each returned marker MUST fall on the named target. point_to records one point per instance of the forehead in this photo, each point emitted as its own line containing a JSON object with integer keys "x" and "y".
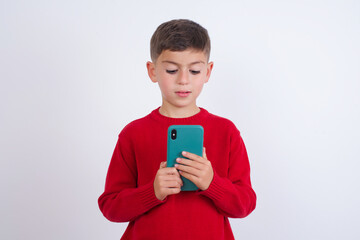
{"x": 186, "y": 57}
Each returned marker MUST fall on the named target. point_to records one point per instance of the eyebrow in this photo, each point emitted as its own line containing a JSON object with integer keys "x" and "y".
{"x": 166, "y": 61}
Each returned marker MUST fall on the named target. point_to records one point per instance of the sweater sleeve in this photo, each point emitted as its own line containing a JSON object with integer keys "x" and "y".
{"x": 233, "y": 195}
{"x": 123, "y": 200}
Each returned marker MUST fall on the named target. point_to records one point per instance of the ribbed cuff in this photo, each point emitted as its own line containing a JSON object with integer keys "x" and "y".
{"x": 148, "y": 198}
{"x": 215, "y": 190}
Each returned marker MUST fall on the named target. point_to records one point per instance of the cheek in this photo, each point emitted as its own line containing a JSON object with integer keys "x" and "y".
{"x": 199, "y": 83}
{"x": 165, "y": 85}
{"x": 198, "y": 87}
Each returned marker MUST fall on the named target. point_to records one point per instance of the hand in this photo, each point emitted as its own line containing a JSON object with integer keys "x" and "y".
{"x": 197, "y": 169}
{"x": 167, "y": 182}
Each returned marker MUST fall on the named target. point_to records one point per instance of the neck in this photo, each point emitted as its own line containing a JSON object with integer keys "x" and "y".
{"x": 179, "y": 112}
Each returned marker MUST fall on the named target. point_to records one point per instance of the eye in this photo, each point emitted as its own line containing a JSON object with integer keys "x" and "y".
{"x": 194, "y": 72}
{"x": 171, "y": 71}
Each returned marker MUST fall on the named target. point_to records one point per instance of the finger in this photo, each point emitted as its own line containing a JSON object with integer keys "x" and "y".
{"x": 187, "y": 169}
{"x": 171, "y": 191}
{"x": 204, "y": 153}
{"x": 171, "y": 184}
{"x": 190, "y": 163}
{"x": 193, "y": 157}
{"x": 169, "y": 171}
{"x": 189, "y": 176}
{"x": 162, "y": 165}
{"x": 170, "y": 178}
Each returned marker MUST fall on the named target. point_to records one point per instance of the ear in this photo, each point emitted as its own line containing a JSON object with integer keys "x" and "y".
{"x": 208, "y": 70}
{"x": 151, "y": 71}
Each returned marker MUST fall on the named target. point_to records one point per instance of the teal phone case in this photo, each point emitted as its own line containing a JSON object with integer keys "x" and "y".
{"x": 189, "y": 138}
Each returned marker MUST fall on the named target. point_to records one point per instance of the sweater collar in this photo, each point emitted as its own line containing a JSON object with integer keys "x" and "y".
{"x": 155, "y": 114}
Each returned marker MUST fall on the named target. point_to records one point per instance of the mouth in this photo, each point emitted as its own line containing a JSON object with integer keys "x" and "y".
{"x": 183, "y": 93}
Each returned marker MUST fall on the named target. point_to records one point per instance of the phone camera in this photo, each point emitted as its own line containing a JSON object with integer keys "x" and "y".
{"x": 173, "y": 134}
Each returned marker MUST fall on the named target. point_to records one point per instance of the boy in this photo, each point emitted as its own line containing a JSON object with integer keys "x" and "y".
{"x": 148, "y": 196}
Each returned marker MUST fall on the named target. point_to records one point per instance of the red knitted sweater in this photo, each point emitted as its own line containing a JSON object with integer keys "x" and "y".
{"x": 129, "y": 192}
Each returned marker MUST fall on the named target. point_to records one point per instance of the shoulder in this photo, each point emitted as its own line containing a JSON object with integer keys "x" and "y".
{"x": 135, "y": 127}
{"x": 222, "y": 123}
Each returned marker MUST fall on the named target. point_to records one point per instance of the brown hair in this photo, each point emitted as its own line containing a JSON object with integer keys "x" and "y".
{"x": 179, "y": 35}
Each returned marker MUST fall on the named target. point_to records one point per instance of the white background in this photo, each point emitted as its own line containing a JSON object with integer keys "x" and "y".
{"x": 73, "y": 75}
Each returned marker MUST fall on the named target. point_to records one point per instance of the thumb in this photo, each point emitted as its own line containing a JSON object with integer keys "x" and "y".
{"x": 204, "y": 153}
{"x": 163, "y": 164}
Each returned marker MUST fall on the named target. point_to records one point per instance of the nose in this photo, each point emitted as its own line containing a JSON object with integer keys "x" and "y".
{"x": 183, "y": 78}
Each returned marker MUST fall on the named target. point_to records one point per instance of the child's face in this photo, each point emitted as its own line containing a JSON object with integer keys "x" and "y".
{"x": 181, "y": 76}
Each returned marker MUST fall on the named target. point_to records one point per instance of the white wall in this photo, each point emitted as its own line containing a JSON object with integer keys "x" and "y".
{"x": 73, "y": 74}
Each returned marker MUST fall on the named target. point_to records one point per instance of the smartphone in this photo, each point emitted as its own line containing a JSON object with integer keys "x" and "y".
{"x": 189, "y": 138}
